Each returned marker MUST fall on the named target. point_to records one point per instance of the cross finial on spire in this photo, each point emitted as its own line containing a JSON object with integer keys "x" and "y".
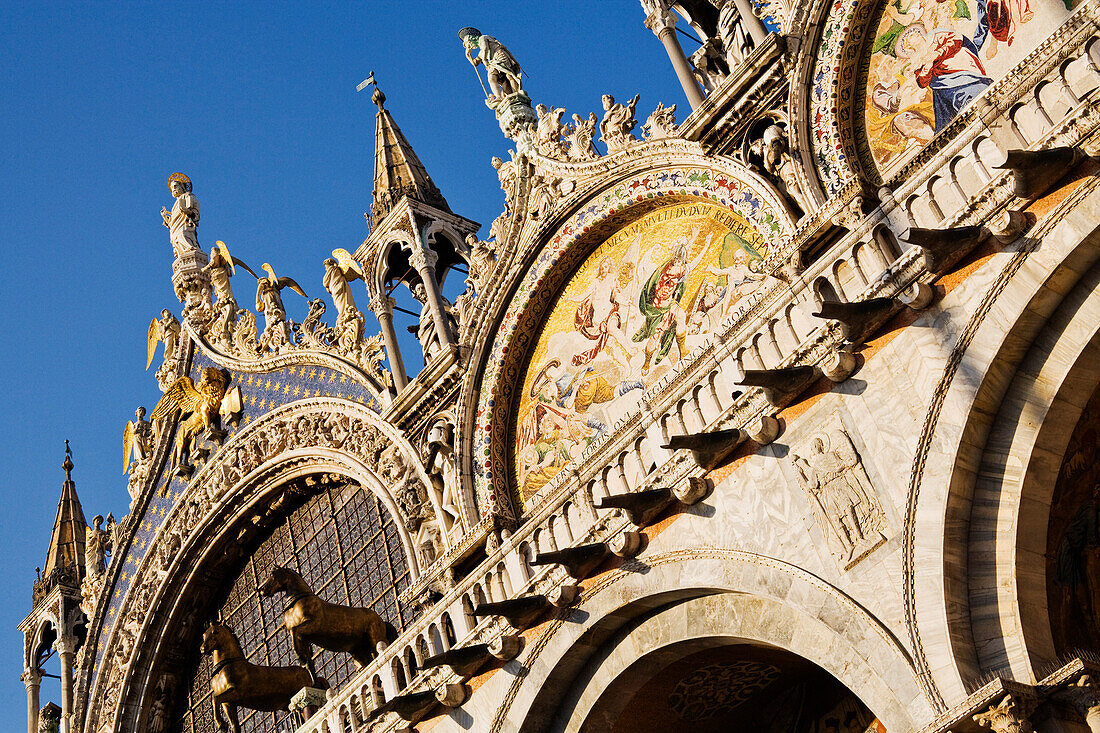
{"x": 377, "y": 96}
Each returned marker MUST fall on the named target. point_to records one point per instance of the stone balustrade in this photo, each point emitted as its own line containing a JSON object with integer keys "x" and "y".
{"x": 951, "y": 183}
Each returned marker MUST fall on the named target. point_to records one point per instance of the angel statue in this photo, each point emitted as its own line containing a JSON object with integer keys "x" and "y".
{"x": 137, "y": 447}
{"x": 197, "y": 404}
{"x": 183, "y": 220}
{"x": 340, "y": 271}
{"x": 219, "y": 270}
{"x": 269, "y": 301}
{"x": 166, "y": 330}
{"x": 500, "y": 65}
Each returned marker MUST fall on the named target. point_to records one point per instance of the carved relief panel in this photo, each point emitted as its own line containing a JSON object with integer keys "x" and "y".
{"x": 845, "y": 503}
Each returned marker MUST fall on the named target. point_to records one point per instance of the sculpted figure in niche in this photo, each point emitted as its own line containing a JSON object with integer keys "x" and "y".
{"x": 736, "y": 44}
{"x": 833, "y": 476}
{"x": 482, "y": 258}
{"x": 617, "y": 125}
{"x": 183, "y": 220}
{"x": 501, "y": 67}
{"x": 774, "y": 149}
{"x": 580, "y": 140}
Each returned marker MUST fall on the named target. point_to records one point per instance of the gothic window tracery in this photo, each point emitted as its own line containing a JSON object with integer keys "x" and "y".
{"x": 347, "y": 548}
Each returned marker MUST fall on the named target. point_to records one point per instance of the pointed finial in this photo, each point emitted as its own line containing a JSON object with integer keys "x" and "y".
{"x": 377, "y": 97}
{"x": 68, "y": 464}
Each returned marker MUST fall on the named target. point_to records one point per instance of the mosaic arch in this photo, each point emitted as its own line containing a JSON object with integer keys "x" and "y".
{"x": 719, "y": 202}
{"x": 891, "y": 73}
{"x": 927, "y": 60}
{"x": 648, "y": 295}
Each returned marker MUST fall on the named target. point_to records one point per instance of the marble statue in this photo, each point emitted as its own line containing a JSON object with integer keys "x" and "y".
{"x": 183, "y": 220}
{"x": 501, "y": 66}
{"x": 506, "y": 172}
{"x": 617, "y": 125}
{"x": 340, "y": 271}
{"x": 269, "y": 301}
{"x": 219, "y": 270}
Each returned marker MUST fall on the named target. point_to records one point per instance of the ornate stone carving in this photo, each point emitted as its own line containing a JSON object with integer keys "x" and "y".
{"x": 661, "y": 123}
{"x": 617, "y": 125}
{"x": 408, "y": 489}
{"x": 580, "y": 139}
{"x": 183, "y": 220}
{"x": 49, "y": 718}
{"x": 709, "y": 63}
{"x": 832, "y": 474}
{"x": 506, "y": 171}
{"x": 1084, "y": 696}
{"x": 1007, "y": 716}
{"x": 550, "y": 134}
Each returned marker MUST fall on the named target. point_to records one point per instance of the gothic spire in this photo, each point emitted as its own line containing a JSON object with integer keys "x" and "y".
{"x": 67, "y": 543}
{"x": 398, "y": 172}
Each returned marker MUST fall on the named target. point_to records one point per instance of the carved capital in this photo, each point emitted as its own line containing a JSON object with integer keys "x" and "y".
{"x": 421, "y": 259}
{"x": 1084, "y": 697}
{"x": 382, "y": 306}
{"x": 31, "y": 677}
{"x": 1007, "y": 716}
{"x": 659, "y": 18}
{"x": 65, "y": 644}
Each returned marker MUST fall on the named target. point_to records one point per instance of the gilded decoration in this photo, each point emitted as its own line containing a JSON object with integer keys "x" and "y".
{"x": 737, "y": 191}
{"x": 648, "y": 296}
{"x": 927, "y": 60}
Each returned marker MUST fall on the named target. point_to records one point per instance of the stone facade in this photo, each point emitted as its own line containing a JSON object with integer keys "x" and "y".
{"x": 815, "y": 455}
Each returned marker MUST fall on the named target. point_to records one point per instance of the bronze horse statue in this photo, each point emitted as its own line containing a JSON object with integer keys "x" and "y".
{"x": 237, "y": 682}
{"x": 360, "y": 632}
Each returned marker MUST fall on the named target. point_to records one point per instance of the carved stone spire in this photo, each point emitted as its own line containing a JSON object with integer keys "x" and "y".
{"x": 67, "y": 543}
{"x": 398, "y": 171}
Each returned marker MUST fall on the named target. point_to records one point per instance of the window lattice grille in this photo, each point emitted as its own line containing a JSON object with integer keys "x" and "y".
{"x": 346, "y": 546}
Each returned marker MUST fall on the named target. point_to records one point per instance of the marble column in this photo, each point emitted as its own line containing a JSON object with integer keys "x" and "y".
{"x": 423, "y": 261}
{"x": 752, "y": 25}
{"x": 32, "y": 679}
{"x": 66, "y": 648}
{"x": 382, "y": 307}
{"x": 662, "y": 22}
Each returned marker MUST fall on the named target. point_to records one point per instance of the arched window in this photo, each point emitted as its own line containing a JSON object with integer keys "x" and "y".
{"x": 345, "y": 545}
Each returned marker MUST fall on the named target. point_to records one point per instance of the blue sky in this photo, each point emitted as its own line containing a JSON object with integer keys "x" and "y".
{"x": 256, "y": 102}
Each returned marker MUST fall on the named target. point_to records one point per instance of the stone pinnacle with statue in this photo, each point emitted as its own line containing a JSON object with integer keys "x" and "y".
{"x": 505, "y": 93}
